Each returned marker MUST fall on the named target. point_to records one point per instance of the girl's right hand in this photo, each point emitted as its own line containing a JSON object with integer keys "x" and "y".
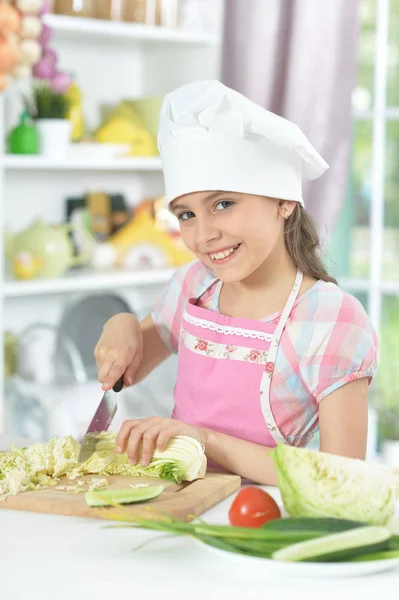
{"x": 119, "y": 350}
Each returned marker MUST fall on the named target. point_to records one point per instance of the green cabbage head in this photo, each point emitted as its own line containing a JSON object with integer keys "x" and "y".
{"x": 318, "y": 484}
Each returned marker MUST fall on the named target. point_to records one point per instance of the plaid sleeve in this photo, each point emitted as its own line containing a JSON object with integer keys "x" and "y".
{"x": 186, "y": 282}
{"x": 343, "y": 348}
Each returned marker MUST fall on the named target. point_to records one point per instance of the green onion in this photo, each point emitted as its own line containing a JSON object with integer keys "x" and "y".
{"x": 245, "y": 540}
{"x": 260, "y": 542}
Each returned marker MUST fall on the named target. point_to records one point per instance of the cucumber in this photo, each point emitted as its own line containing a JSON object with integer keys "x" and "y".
{"x": 384, "y": 555}
{"x": 337, "y": 546}
{"x": 394, "y": 542}
{"x": 318, "y": 525}
{"x": 123, "y": 496}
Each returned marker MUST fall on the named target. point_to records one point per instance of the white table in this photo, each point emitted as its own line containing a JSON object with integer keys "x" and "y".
{"x": 50, "y": 557}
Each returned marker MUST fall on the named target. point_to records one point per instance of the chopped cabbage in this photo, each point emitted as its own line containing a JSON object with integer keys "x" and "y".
{"x": 92, "y": 484}
{"x": 318, "y": 484}
{"x": 182, "y": 459}
{"x": 40, "y": 465}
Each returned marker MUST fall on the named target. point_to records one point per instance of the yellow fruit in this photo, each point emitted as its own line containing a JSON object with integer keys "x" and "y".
{"x": 125, "y": 126}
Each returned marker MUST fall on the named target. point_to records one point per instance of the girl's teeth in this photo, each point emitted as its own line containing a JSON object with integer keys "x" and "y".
{"x": 224, "y": 254}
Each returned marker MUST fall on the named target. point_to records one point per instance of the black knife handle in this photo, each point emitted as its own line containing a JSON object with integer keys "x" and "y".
{"x": 118, "y": 385}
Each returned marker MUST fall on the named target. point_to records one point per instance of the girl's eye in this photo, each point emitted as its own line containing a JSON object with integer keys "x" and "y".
{"x": 186, "y": 215}
{"x": 223, "y": 204}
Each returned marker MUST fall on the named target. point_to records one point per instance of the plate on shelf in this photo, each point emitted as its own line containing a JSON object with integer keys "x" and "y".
{"x": 82, "y": 324}
{"x": 304, "y": 569}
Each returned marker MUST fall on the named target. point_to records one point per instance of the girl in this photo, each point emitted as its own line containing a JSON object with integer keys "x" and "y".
{"x": 270, "y": 349}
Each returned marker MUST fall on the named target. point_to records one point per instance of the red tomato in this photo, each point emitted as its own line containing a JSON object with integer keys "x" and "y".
{"x": 252, "y": 507}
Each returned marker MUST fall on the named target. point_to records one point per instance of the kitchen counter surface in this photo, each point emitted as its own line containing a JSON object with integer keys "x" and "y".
{"x": 45, "y": 557}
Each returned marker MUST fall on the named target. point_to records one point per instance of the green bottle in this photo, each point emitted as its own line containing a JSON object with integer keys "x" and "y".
{"x": 24, "y": 138}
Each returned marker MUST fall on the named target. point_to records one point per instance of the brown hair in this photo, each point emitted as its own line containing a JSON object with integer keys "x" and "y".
{"x": 303, "y": 244}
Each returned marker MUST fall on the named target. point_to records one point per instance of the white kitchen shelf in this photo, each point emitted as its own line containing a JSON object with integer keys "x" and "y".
{"x": 86, "y": 280}
{"x": 87, "y": 28}
{"x": 389, "y": 288}
{"x": 112, "y": 61}
{"x": 40, "y": 163}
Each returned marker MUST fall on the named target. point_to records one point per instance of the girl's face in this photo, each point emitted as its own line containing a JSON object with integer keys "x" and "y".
{"x": 232, "y": 233}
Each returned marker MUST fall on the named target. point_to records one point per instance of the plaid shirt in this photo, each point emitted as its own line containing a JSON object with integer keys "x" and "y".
{"x": 328, "y": 341}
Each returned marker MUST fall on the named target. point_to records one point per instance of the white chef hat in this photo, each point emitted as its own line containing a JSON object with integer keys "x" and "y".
{"x": 213, "y": 138}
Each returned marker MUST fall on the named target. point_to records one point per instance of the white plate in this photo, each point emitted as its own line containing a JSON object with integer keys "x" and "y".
{"x": 306, "y": 569}
{"x": 82, "y": 322}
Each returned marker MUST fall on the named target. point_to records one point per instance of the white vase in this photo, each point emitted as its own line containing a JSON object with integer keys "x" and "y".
{"x": 54, "y": 135}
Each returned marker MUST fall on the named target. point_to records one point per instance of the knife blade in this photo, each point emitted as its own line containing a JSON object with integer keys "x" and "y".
{"x": 101, "y": 420}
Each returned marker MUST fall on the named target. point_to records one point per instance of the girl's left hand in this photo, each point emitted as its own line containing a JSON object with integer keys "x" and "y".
{"x": 153, "y": 433}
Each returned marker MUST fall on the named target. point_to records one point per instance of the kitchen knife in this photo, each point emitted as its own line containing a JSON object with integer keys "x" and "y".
{"x": 101, "y": 421}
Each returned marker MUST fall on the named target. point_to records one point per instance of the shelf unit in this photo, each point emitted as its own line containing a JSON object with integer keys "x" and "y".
{"x": 113, "y": 30}
{"x": 86, "y": 280}
{"x": 135, "y": 60}
{"x": 39, "y": 163}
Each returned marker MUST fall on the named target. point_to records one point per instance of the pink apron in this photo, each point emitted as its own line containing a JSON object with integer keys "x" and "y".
{"x": 225, "y": 367}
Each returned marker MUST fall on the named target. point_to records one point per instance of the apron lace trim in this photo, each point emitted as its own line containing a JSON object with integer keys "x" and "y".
{"x": 226, "y": 329}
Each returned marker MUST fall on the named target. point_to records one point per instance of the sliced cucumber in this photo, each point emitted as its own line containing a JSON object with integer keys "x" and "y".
{"x": 337, "y": 546}
{"x": 318, "y": 525}
{"x": 123, "y": 496}
{"x": 384, "y": 555}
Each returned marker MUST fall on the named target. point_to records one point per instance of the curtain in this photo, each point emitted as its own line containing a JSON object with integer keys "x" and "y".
{"x": 298, "y": 59}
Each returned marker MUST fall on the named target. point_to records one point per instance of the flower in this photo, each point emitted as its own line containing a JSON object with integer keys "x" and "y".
{"x": 201, "y": 345}
{"x": 231, "y": 349}
{"x": 254, "y": 356}
{"x": 228, "y": 351}
{"x": 269, "y": 367}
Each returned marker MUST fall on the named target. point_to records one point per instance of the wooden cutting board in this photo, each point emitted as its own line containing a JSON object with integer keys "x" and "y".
{"x": 182, "y": 500}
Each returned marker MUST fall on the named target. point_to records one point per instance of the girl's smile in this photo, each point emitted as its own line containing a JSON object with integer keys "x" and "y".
{"x": 221, "y": 257}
